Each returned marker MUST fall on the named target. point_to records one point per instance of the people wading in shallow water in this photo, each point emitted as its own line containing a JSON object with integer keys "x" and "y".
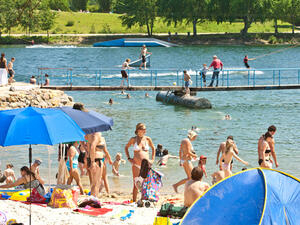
{"x": 96, "y": 152}
{"x": 227, "y": 156}
{"x": 266, "y": 148}
{"x": 141, "y": 146}
{"x": 186, "y": 154}
{"x": 222, "y": 149}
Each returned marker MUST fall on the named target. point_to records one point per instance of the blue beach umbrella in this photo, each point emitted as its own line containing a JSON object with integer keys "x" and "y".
{"x": 91, "y": 121}
{"x": 37, "y": 126}
{"x": 255, "y": 197}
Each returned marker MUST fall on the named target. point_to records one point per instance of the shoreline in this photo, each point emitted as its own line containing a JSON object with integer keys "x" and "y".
{"x": 252, "y": 39}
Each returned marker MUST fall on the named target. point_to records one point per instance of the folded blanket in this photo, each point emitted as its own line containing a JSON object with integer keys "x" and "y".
{"x": 93, "y": 211}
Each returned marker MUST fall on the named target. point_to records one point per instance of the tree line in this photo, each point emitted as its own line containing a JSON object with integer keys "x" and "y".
{"x": 32, "y": 15}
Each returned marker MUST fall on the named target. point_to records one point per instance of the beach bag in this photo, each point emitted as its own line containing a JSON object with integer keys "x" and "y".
{"x": 35, "y": 197}
{"x": 145, "y": 167}
{"x": 168, "y": 209}
{"x": 162, "y": 221}
{"x": 62, "y": 199}
{"x": 151, "y": 186}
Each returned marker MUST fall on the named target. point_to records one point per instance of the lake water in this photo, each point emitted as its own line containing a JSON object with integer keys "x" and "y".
{"x": 251, "y": 111}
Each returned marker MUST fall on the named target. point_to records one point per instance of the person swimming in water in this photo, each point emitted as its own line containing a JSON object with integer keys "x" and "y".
{"x": 166, "y": 156}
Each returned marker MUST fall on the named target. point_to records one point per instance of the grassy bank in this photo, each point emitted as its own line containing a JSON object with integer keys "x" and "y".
{"x": 86, "y": 23}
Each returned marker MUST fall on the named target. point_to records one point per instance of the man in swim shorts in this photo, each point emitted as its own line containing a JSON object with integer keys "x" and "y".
{"x": 125, "y": 66}
{"x": 143, "y": 55}
{"x": 187, "y": 82}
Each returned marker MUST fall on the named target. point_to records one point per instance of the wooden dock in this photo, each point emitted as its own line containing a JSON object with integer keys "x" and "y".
{"x": 175, "y": 88}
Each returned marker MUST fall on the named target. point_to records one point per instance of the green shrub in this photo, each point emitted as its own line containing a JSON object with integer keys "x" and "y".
{"x": 272, "y": 39}
{"x": 70, "y": 23}
{"x": 106, "y": 29}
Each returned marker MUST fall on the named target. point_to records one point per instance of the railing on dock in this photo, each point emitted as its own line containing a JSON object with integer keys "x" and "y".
{"x": 78, "y": 76}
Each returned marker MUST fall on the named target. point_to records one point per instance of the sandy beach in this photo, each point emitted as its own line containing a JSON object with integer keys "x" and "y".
{"x": 50, "y": 216}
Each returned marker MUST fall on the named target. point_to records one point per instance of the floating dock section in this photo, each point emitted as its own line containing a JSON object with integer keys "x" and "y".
{"x": 134, "y": 42}
{"x": 170, "y": 97}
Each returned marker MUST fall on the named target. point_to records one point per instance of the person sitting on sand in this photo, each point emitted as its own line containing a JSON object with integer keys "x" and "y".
{"x": 35, "y": 169}
{"x": 28, "y": 179}
{"x": 222, "y": 149}
{"x": 47, "y": 80}
{"x": 166, "y": 156}
{"x": 10, "y": 174}
{"x": 32, "y": 80}
{"x": 72, "y": 165}
{"x": 195, "y": 187}
{"x": 116, "y": 164}
{"x": 226, "y": 158}
{"x": 218, "y": 176}
{"x": 186, "y": 154}
{"x": 202, "y": 163}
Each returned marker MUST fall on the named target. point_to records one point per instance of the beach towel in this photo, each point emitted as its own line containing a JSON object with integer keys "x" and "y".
{"x": 120, "y": 214}
{"x": 151, "y": 186}
{"x": 162, "y": 221}
{"x": 93, "y": 211}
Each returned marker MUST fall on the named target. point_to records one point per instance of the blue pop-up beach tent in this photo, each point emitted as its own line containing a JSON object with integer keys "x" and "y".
{"x": 253, "y": 197}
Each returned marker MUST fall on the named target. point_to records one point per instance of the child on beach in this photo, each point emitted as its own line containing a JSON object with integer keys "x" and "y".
{"x": 202, "y": 163}
{"x": 116, "y": 164}
{"x": 166, "y": 156}
{"x": 203, "y": 73}
{"x": 47, "y": 80}
{"x": 10, "y": 174}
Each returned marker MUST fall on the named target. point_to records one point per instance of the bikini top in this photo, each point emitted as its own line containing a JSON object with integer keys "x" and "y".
{"x": 268, "y": 150}
{"x": 145, "y": 148}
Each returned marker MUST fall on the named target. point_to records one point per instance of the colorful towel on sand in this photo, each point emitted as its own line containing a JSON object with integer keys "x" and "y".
{"x": 93, "y": 211}
{"x": 151, "y": 186}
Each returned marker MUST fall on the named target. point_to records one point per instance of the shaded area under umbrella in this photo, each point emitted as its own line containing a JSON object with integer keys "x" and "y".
{"x": 37, "y": 126}
{"x": 91, "y": 121}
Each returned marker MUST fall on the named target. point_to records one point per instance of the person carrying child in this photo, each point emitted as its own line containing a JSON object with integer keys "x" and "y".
{"x": 166, "y": 156}
{"x": 202, "y": 163}
{"x": 116, "y": 164}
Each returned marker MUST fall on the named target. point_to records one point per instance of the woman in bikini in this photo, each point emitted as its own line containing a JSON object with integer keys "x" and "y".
{"x": 226, "y": 158}
{"x": 72, "y": 165}
{"x": 141, "y": 146}
{"x": 264, "y": 152}
{"x": 95, "y": 160}
{"x": 28, "y": 179}
{"x": 186, "y": 154}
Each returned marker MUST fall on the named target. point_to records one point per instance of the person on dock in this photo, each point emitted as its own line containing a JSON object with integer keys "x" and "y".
{"x": 203, "y": 74}
{"x": 222, "y": 149}
{"x": 28, "y": 180}
{"x": 36, "y": 170}
{"x": 144, "y": 52}
{"x": 186, "y": 154}
{"x": 116, "y": 164}
{"x": 266, "y": 148}
{"x": 141, "y": 146}
{"x": 226, "y": 159}
{"x": 47, "y": 80}
{"x": 11, "y": 71}
{"x": 9, "y": 173}
{"x": 195, "y": 187}
{"x": 32, "y": 80}
{"x": 202, "y": 163}
{"x": 246, "y": 60}
{"x": 72, "y": 165}
{"x": 187, "y": 82}
{"x": 125, "y": 66}
{"x": 166, "y": 156}
{"x": 218, "y": 66}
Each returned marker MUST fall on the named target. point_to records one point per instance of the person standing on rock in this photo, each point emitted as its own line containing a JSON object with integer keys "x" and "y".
{"x": 11, "y": 71}
{"x": 187, "y": 82}
{"x": 218, "y": 66}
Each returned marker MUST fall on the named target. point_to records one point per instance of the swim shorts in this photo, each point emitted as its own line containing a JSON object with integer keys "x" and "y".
{"x": 187, "y": 84}
{"x": 11, "y": 73}
{"x": 247, "y": 65}
{"x": 124, "y": 74}
{"x": 143, "y": 59}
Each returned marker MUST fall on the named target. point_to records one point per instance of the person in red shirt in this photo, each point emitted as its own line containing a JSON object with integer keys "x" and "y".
{"x": 218, "y": 66}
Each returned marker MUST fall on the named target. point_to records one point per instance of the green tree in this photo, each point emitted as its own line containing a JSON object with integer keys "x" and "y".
{"x": 250, "y": 11}
{"x": 140, "y": 12}
{"x": 46, "y": 19}
{"x": 292, "y": 13}
{"x": 77, "y": 5}
{"x": 63, "y": 5}
{"x": 105, "y": 5}
{"x": 8, "y": 15}
{"x": 276, "y": 11}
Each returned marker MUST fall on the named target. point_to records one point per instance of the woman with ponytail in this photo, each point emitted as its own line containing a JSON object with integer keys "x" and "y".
{"x": 28, "y": 179}
{"x": 3, "y": 70}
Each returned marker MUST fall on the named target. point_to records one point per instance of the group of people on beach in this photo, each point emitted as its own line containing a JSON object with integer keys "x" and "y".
{"x": 6, "y": 68}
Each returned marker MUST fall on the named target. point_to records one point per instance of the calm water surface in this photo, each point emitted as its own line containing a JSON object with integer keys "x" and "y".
{"x": 251, "y": 111}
